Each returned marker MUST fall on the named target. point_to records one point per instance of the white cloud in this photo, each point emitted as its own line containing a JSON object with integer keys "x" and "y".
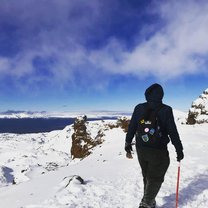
{"x": 179, "y": 47}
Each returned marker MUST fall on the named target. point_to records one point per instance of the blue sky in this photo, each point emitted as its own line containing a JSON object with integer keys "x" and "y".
{"x": 77, "y": 55}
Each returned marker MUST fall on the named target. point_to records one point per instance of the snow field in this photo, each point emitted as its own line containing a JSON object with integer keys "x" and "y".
{"x": 111, "y": 180}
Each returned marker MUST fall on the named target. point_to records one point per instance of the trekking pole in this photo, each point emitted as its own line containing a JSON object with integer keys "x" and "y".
{"x": 177, "y": 186}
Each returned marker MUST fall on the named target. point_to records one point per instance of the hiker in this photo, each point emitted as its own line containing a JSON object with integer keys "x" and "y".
{"x": 151, "y": 142}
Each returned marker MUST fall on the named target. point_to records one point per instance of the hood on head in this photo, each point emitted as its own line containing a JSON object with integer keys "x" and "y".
{"x": 154, "y": 93}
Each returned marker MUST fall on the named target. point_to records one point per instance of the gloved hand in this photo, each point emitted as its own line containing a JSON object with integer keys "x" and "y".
{"x": 128, "y": 147}
{"x": 180, "y": 155}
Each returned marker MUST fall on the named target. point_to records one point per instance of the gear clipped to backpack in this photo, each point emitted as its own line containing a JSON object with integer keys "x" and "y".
{"x": 149, "y": 131}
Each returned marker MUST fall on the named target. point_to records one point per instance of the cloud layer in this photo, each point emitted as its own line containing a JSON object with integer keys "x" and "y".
{"x": 77, "y": 42}
{"x": 179, "y": 47}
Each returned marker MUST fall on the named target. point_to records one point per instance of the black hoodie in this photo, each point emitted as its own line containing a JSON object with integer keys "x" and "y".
{"x": 154, "y": 95}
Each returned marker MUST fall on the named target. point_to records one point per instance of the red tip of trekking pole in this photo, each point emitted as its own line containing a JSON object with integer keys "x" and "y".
{"x": 177, "y": 185}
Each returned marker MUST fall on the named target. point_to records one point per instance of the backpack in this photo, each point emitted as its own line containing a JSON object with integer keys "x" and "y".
{"x": 149, "y": 131}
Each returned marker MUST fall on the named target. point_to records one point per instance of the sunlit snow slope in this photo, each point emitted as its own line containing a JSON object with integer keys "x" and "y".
{"x": 42, "y": 168}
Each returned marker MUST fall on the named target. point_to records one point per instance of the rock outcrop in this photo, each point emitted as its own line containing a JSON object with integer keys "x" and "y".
{"x": 198, "y": 113}
{"x": 123, "y": 122}
{"x": 82, "y": 142}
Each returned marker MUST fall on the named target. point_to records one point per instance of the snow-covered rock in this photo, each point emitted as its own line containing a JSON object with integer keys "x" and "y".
{"x": 198, "y": 113}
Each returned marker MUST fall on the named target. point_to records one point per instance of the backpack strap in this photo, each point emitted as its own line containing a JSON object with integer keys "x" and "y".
{"x": 149, "y": 112}
{"x": 158, "y": 109}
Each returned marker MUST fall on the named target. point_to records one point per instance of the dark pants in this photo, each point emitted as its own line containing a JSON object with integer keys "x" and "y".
{"x": 154, "y": 164}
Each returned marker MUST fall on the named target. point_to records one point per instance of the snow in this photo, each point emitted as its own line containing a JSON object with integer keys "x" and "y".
{"x": 202, "y": 119}
{"x": 198, "y": 112}
{"x": 201, "y": 101}
{"x": 45, "y": 175}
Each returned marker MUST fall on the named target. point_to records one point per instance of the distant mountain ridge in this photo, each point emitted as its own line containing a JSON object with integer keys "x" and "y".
{"x": 23, "y": 114}
{"x": 10, "y": 112}
{"x": 198, "y": 113}
{"x": 67, "y": 114}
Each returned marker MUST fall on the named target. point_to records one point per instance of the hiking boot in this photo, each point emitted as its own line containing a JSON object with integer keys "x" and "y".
{"x": 153, "y": 204}
{"x": 144, "y": 205}
{"x": 141, "y": 206}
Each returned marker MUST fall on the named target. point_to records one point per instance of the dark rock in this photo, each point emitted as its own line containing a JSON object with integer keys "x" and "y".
{"x": 75, "y": 178}
{"x": 123, "y": 122}
{"x": 82, "y": 142}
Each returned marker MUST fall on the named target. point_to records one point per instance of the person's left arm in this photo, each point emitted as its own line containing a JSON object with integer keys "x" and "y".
{"x": 132, "y": 127}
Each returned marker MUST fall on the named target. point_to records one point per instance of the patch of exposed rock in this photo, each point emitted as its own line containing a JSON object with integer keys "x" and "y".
{"x": 123, "y": 122}
{"x": 82, "y": 139}
{"x": 82, "y": 142}
{"x": 198, "y": 113}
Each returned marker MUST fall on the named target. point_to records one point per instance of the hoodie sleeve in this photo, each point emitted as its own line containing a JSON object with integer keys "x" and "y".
{"x": 173, "y": 132}
{"x": 132, "y": 127}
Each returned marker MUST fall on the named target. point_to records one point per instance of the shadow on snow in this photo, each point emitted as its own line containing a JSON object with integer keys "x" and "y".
{"x": 7, "y": 174}
{"x": 189, "y": 193}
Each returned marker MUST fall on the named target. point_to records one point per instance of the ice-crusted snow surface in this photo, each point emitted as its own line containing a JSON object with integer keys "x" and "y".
{"x": 45, "y": 175}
